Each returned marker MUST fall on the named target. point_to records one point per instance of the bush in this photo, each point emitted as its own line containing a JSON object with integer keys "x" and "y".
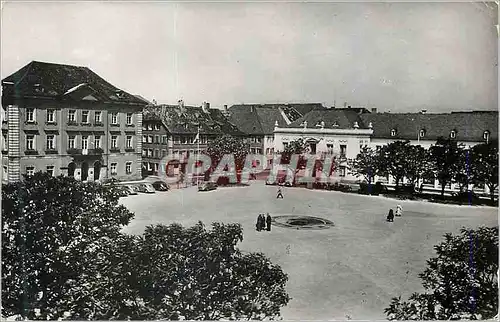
{"x": 461, "y": 282}
{"x": 372, "y": 189}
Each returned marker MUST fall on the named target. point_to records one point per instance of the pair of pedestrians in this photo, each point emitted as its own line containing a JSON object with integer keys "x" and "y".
{"x": 263, "y": 222}
{"x": 399, "y": 212}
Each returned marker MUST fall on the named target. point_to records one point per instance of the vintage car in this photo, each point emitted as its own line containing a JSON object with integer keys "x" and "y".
{"x": 131, "y": 190}
{"x": 160, "y": 186}
{"x": 145, "y": 188}
{"x": 207, "y": 186}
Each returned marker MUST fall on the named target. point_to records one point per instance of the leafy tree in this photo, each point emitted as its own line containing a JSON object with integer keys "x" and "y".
{"x": 444, "y": 159}
{"x": 228, "y": 144}
{"x": 48, "y": 224}
{"x": 485, "y": 169}
{"x": 464, "y": 169}
{"x": 366, "y": 164}
{"x": 392, "y": 160}
{"x": 63, "y": 257}
{"x": 461, "y": 282}
{"x": 416, "y": 163}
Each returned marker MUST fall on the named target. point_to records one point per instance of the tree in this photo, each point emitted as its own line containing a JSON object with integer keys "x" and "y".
{"x": 461, "y": 282}
{"x": 392, "y": 160}
{"x": 485, "y": 165}
{"x": 417, "y": 162}
{"x": 228, "y": 144}
{"x": 444, "y": 159}
{"x": 464, "y": 171}
{"x": 64, "y": 257}
{"x": 48, "y": 224}
{"x": 366, "y": 164}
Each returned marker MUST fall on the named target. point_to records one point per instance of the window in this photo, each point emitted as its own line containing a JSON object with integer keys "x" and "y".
{"x": 85, "y": 117}
{"x": 164, "y": 139}
{"x": 156, "y": 166}
{"x": 157, "y": 139}
{"x": 329, "y": 148}
{"x": 157, "y": 153}
{"x": 30, "y": 142}
{"x": 144, "y": 153}
{"x": 50, "y": 170}
{"x": 30, "y": 115}
{"x": 285, "y": 145}
{"x": 51, "y": 116}
{"x": 4, "y": 143}
{"x": 177, "y": 139}
{"x": 343, "y": 150}
{"x": 150, "y": 139}
{"x": 114, "y": 118}
{"x": 85, "y": 142}
{"x": 129, "y": 141}
{"x": 97, "y": 117}
{"x": 150, "y": 153}
{"x": 150, "y": 127}
{"x": 51, "y": 142}
{"x": 422, "y": 133}
{"x": 30, "y": 170}
{"x": 71, "y": 142}
{"x": 378, "y": 147}
{"x": 97, "y": 141}
{"x": 114, "y": 141}
{"x": 393, "y": 132}
{"x": 144, "y": 128}
{"x": 129, "y": 118}
{"x": 184, "y": 140}
{"x": 72, "y": 116}
{"x": 342, "y": 171}
{"x": 113, "y": 168}
{"x": 453, "y": 134}
{"x": 486, "y": 135}
{"x": 157, "y": 127}
{"x": 163, "y": 153}
{"x": 144, "y": 139}
{"x": 128, "y": 167}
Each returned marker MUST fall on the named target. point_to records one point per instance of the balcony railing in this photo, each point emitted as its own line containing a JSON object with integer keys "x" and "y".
{"x": 97, "y": 151}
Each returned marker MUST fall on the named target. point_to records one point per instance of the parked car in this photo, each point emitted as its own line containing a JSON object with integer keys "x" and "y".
{"x": 160, "y": 186}
{"x": 146, "y": 188}
{"x": 122, "y": 191}
{"x": 207, "y": 186}
{"x": 131, "y": 190}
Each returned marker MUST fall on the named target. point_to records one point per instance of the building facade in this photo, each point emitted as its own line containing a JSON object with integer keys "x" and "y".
{"x": 66, "y": 120}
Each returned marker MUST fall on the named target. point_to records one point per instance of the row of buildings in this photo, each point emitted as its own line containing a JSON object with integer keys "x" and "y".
{"x": 67, "y": 120}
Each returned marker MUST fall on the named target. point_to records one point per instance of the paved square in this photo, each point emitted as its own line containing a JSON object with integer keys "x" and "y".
{"x": 351, "y": 270}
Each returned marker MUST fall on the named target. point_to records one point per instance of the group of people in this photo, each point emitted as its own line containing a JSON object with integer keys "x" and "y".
{"x": 399, "y": 212}
{"x": 264, "y": 222}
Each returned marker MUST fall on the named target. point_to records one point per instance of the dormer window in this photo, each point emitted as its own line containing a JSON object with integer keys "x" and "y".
{"x": 422, "y": 133}
{"x": 453, "y": 134}
{"x": 335, "y": 124}
{"x": 393, "y": 132}
{"x": 486, "y": 135}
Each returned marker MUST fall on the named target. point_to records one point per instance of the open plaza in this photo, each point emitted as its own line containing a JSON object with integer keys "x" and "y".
{"x": 348, "y": 271}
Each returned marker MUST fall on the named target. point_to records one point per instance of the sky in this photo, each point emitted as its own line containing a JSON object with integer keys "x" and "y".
{"x": 398, "y": 57}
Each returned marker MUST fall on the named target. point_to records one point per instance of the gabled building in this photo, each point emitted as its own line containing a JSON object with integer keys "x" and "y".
{"x": 173, "y": 129}
{"x": 258, "y": 121}
{"x": 67, "y": 120}
{"x": 335, "y": 132}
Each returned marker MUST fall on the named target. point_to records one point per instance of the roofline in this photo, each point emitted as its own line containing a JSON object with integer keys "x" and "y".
{"x": 288, "y": 130}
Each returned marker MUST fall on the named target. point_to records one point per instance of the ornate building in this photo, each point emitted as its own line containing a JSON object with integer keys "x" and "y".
{"x": 66, "y": 120}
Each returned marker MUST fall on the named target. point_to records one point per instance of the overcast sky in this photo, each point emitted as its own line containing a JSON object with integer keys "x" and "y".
{"x": 394, "y": 56}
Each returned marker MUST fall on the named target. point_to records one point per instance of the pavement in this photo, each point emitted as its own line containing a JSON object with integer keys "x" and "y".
{"x": 350, "y": 271}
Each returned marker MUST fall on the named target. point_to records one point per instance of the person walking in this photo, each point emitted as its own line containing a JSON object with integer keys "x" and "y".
{"x": 390, "y": 216}
{"x": 280, "y": 193}
{"x": 268, "y": 222}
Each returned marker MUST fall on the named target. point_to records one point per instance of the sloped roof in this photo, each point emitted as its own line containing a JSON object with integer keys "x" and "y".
{"x": 42, "y": 79}
{"x": 176, "y": 122}
{"x": 259, "y": 119}
{"x": 469, "y": 126}
{"x": 343, "y": 118}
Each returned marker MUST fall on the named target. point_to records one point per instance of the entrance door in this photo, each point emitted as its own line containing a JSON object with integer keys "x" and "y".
{"x": 85, "y": 171}
{"x": 97, "y": 170}
{"x": 71, "y": 169}
{"x": 312, "y": 146}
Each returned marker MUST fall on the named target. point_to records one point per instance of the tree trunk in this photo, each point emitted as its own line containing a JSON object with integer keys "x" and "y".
{"x": 492, "y": 192}
{"x": 443, "y": 185}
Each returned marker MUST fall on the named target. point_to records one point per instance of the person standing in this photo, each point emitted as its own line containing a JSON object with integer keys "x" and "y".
{"x": 259, "y": 223}
{"x": 399, "y": 211}
{"x": 268, "y": 222}
{"x": 280, "y": 194}
{"x": 390, "y": 216}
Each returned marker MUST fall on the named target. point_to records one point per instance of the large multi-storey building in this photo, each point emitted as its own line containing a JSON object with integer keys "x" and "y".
{"x": 257, "y": 121}
{"x": 66, "y": 120}
{"x": 172, "y": 129}
{"x": 343, "y": 132}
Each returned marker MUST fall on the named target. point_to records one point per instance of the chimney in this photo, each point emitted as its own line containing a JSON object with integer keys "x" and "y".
{"x": 276, "y": 124}
{"x": 374, "y": 110}
{"x": 345, "y": 104}
{"x": 205, "y": 107}
{"x": 225, "y": 107}
{"x": 356, "y": 125}
{"x": 305, "y": 124}
{"x": 181, "y": 105}
{"x": 349, "y": 106}
{"x": 322, "y": 124}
